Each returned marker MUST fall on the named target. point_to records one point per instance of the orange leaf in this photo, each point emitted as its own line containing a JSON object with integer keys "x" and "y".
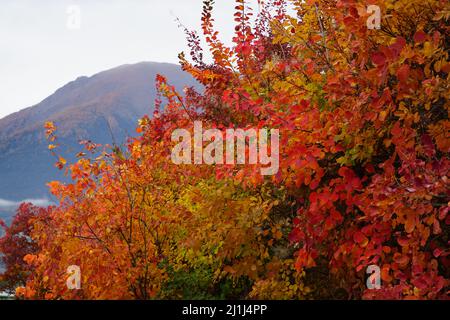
{"x": 361, "y": 239}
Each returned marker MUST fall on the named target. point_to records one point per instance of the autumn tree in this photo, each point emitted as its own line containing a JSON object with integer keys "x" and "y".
{"x": 363, "y": 179}
{"x": 364, "y": 121}
{"x": 15, "y": 244}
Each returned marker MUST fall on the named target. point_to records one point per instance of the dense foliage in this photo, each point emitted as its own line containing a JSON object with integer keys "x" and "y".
{"x": 363, "y": 179}
{"x": 15, "y": 244}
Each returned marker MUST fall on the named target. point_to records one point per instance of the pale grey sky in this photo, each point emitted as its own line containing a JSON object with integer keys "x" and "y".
{"x": 41, "y": 48}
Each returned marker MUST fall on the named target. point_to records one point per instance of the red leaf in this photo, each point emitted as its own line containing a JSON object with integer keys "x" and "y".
{"x": 428, "y": 145}
{"x": 378, "y": 58}
{"x": 296, "y": 235}
{"x": 437, "y": 252}
{"x": 420, "y": 36}
{"x": 403, "y": 73}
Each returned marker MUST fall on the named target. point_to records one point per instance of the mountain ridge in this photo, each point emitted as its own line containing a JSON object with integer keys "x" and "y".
{"x": 96, "y": 107}
{"x": 57, "y": 103}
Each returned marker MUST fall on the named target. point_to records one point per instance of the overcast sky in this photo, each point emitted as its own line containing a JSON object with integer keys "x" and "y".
{"x": 43, "y": 45}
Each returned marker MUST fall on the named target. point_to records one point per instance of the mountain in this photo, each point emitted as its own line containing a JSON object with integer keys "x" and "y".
{"x": 86, "y": 108}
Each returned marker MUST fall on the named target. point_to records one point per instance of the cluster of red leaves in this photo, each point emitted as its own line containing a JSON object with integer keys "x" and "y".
{"x": 15, "y": 244}
{"x": 359, "y": 111}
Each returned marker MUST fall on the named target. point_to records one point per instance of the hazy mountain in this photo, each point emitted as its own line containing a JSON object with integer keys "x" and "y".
{"x": 82, "y": 109}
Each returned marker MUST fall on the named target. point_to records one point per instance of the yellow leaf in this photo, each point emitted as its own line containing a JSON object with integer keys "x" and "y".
{"x": 428, "y": 49}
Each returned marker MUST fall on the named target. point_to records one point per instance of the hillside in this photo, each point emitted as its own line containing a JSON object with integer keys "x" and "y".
{"x": 84, "y": 108}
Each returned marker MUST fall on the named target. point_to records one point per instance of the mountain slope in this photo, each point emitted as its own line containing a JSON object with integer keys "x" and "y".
{"x": 83, "y": 109}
